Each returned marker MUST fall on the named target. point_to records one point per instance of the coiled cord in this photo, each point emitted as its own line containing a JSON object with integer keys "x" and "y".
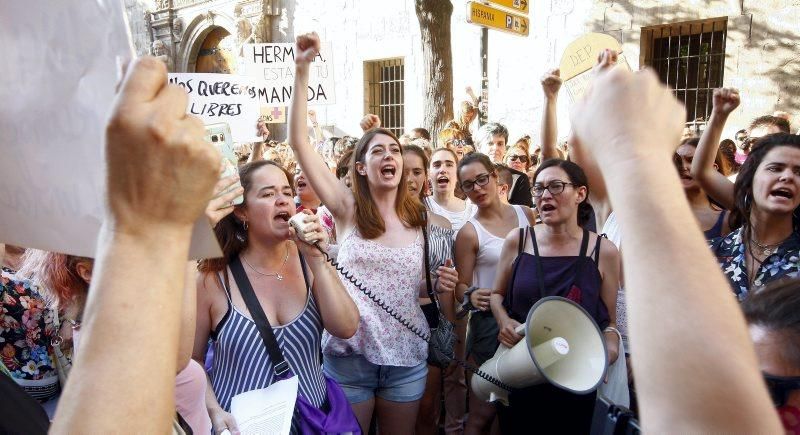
{"x": 349, "y": 276}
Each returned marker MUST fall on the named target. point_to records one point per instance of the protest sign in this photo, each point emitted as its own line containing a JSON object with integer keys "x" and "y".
{"x": 579, "y": 58}
{"x": 221, "y": 98}
{"x": 274, "y": 115}
{"x": 52, "y": 170}
{"x": 271, "y": 66}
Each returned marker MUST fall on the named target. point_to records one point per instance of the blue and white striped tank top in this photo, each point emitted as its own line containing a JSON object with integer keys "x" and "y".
{"x": 241, "y": 362}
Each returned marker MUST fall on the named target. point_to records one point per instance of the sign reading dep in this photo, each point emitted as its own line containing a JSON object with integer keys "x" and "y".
{"x": 271, "y": 67}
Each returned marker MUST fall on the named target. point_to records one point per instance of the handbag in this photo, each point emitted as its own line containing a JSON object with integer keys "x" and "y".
{"x": 339, "y": 417}
{"x": 616, "y": 388}
{"x": 442, "y": 335}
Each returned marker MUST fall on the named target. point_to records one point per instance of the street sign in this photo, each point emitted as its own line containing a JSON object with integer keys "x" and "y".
{"x": 518, "y": 5}
{"x": 499, "y": 19}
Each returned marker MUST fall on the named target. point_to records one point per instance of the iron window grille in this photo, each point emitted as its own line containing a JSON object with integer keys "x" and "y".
{"x": 689, "y": 58}
{"x": 384, "y": 92}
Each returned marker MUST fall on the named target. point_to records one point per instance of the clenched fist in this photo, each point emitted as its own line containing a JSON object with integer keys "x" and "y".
{"x": 161, "y": 171}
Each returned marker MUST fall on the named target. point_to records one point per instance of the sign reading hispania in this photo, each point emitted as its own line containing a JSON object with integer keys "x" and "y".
{"x": 271, "y": 66}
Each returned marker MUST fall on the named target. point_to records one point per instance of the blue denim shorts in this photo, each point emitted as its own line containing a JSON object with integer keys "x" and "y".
{"x": 362, "y": 380}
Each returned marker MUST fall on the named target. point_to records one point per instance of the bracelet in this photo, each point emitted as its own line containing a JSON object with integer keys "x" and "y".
{"x": 466, "y": 305}
{"x": 612, "y": 329}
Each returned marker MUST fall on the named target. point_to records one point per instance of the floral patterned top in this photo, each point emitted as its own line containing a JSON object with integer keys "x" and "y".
{"x": 26, "y": 330}
{"x": 394, "y": 275}
{"x": 730, "y": 252}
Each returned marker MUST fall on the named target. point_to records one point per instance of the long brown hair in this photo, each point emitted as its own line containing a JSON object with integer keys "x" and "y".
{"x": 230, "y": 226}
{"x": 369, "y": 221}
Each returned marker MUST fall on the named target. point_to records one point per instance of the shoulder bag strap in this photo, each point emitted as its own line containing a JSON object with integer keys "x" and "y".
{"x": 597, "y": 249}
{"x": 264, "y": 328}
{"x": 427, "y": 271}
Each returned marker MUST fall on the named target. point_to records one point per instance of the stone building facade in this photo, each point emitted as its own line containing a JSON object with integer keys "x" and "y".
{"x": 377, "y": 54}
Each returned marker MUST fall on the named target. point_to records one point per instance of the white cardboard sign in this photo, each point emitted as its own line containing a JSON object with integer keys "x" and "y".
{"x": 219, "y": 98}
{"x": 272, "y": 68}
{"x": 60, "y": 73}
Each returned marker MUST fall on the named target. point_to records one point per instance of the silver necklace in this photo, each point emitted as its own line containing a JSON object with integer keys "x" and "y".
{"x": 277, "y": 274}
{"x": 766, "y": 249}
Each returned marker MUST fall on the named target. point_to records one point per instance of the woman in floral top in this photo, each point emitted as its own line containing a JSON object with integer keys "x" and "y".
{"x": 767, "y": 194}
{"x": 26, "y": 330}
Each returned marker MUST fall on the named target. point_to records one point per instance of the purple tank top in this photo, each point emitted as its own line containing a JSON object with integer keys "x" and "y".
{"x": 574, "y": 278}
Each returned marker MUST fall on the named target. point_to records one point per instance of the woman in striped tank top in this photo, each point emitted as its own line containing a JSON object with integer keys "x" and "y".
{"x": 297, "y": 289}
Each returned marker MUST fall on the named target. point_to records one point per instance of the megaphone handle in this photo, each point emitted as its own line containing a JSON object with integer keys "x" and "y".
{"x": 520, "y": 329}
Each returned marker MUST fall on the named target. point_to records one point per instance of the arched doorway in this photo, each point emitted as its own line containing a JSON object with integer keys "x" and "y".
{"x": 216, "y": 53}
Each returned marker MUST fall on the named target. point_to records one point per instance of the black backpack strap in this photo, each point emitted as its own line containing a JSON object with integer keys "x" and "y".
{"x": 521, "y": 240}
{"x": 260, "y": 319}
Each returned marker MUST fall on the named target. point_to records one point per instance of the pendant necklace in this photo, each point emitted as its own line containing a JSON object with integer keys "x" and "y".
{"x": 277, "y": 274}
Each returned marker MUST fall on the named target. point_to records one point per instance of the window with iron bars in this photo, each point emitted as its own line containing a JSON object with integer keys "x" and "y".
{"x": 688, "y": 57}
{"x": 384, "y": 93}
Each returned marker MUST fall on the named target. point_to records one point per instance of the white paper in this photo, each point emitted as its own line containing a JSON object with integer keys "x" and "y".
{"x": 272, "y": 68}
{"x": 267, "y": 411}
{"x": 59, "y": 73}
{"x": 222, "y": 98}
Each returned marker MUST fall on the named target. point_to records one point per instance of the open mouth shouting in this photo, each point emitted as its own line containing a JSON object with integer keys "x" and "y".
{"x": 442, "y": 181}
{"x": 388, "y": 172}
{"x": 282, "y": 216}
{"x": 782, "y": 193}
{"x": 301, "y": 184}
{"x": 547, "y": 208}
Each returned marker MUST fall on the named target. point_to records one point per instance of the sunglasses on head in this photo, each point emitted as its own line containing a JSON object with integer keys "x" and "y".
{"x": 780, "y": 387}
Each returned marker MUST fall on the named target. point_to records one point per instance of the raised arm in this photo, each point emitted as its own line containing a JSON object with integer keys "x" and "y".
{"x": 124, "y": 376}
{"x": 598, "y": 195}
{"x": 716, "y": 185}
{"x": 333, "y": 194}
{"x": 695, "y": 365}
{"x": 551, "y": 83}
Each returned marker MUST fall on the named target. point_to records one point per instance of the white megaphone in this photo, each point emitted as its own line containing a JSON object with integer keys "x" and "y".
{"x": 562, "y": 346}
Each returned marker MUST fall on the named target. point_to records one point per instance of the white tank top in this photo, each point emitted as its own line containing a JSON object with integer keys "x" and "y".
{"x": 489, "y": 247}
{"x": 457, "y": 218}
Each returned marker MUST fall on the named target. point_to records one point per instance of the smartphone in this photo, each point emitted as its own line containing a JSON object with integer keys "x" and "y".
{"x": 220, "y": 136}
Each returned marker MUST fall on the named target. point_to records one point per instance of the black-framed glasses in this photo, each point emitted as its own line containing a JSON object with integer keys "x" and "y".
{"x": 780, "y": 387}
{"x": 518, "y": 158}
{"x": 749, "y": 141}
{"x": 480, "y": 180}
{"x": 555, "y": 187}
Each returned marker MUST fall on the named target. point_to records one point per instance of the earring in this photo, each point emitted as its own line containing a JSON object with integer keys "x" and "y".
{"x": 242, "y": 236}
{"x": 246, "y": 227}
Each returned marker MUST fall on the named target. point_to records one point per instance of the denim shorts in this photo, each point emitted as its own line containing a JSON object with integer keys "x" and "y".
{"x": 362, "y": 380}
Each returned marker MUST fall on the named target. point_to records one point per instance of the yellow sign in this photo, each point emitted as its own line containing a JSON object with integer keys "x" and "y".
{"x": 519, "y": 5}
{"x": 494, "y": 18}
{"x": 581, "y": 54}
{"x": 274, "y": 115}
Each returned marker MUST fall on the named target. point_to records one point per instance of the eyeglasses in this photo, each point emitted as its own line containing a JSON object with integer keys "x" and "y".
{"x": 780, "y": 386}
{"x": 457, "y": 142}
{"x": 514, "y": 158}
{"x": 555, "y": 187}
{"x": 749, "y": 141}
{"x": 480, "y": 180}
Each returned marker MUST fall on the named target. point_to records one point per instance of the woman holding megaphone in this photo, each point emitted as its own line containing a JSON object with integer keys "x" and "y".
{"x": 555, "y": 258}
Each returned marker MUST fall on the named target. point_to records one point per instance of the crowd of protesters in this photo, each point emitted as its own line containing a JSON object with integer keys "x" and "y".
{"x": 461, "y": 221}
